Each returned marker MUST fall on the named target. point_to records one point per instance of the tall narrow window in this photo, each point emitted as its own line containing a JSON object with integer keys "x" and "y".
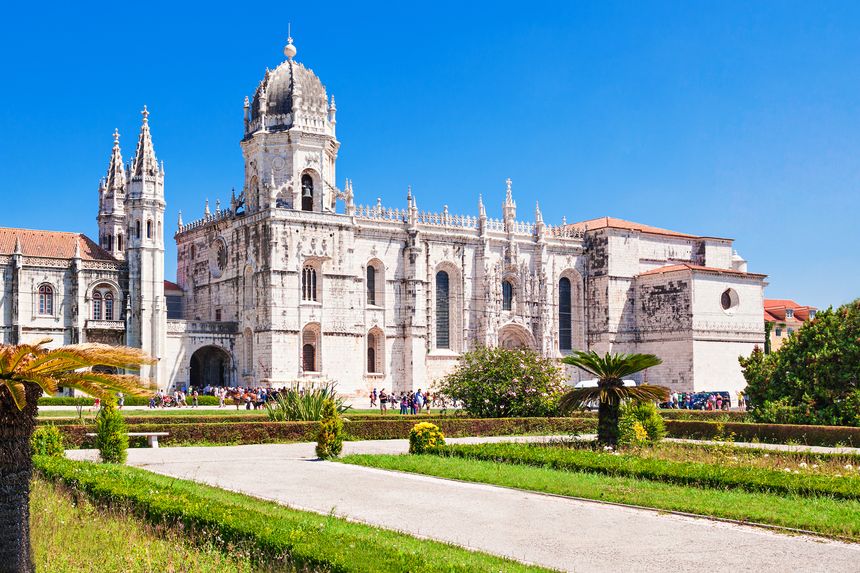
{"x": 565, "y": 341}
{"x": 119, "y": 242}
{"x": 46, "y": 299}
{"x": 443, "y": 334}
{"x": 309, "y": 283}
{"x": 308, "y": 358}
{"x": 371, "y": 353}
{"x": 97, "y": 306}
{"x": 371, "y": 285}
{"x": 310, "y": 348}
{"x": 507, "y": 295}
{"x": 108, "y": 306}
{"x": 137, "y": 229}
{"x": 149, "y": 229}
{"x": 307, "y": 193}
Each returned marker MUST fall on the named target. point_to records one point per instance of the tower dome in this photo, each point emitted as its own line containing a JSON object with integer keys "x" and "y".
{"x": 290, "y": 95}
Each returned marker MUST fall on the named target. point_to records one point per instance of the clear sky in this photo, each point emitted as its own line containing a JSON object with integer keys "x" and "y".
{"x": 717, "y": 118}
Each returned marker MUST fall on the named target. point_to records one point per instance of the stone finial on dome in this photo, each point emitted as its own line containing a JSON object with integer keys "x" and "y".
{"x": 289, "y": 49}
{"x": 179, "y": 220}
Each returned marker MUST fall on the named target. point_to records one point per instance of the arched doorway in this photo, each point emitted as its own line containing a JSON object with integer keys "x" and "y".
{"x": 210, "y": 366}
{"x": 515, "y": 336}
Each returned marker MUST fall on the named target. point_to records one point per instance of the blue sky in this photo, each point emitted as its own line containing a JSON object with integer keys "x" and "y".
{"x": 718, "y": 118}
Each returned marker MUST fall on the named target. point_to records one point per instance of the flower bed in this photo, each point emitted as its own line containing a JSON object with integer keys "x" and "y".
{"x": 770, "y": 433}
{"x": 688, "y": 473}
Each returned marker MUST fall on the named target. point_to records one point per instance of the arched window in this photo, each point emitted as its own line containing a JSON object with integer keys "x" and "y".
{"x": 371, "y": 286}
{"x": 443, "y": 334}
{"x": 308, "y": 358}
{"x": 46, "y": 299}
{"x": 371, "y": 353}
{"x": 309, "y": 283}
{"x": 565, "y": 341}
{"x": 507, "y": 295}
{"x": 108, "y": 306}
{"x": 310, "y": 349}
{"x": 97, "y": 306}
{"x": 307, "y": 193}
{"x": 119, "y": 242}
{"x": 137, "y": 229}
{"x": 149, "y": 229}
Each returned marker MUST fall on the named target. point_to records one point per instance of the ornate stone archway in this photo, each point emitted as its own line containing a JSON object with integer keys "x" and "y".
{"x": 514, "y": 336}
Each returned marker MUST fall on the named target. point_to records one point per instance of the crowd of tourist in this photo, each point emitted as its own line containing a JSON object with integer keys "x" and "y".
{"x": 408, "y": 402}
{"x": 709, "y": 401}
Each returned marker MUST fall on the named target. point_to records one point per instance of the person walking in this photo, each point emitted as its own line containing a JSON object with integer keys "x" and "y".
{"x": 383, "y": 402}
{"x": 120, "y": 400}
{"x": 194, "y": 398}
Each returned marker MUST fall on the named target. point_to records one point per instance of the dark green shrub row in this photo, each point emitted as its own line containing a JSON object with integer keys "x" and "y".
{"x": 268, "y": 432}
{"x": 722, "y": 415}
{"x": 280, "y": 538}
{"x": 129, "y": 401}
{"x": 561, "y": 457}
{"x": 189, "y": 419}
{"x": 770, "y": 433}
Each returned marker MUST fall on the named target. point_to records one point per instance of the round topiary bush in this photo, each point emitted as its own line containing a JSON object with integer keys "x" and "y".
{"x": 111, "y": 436}
{"x": 501, "y": 383}
{"x": 425, "y": 437}
{"x": 640, "y": 424}
{"x": 48, "y": 441}
{"x": 330, "y": 436}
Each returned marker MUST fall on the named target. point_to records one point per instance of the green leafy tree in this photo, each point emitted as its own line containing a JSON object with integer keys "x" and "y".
{"x": 814, "y": 377}
{"x": 501, "y": 383}
{"x": 330, "y": 437}
{"x": 111, "y": 436}
{"x": 610, "y": 371}
{"x": 26, "y": 371}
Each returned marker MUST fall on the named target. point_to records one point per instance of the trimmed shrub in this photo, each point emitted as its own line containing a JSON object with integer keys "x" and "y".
{"x": 111, "y": 437}
{"x": 770, "y": 433}
{"x": 330, "y": 436}
{"x": 500, "y": 383}
{"x": 640, "y": 425}
{"x": 424, "y": 438}
{"x": 47, "y": 441}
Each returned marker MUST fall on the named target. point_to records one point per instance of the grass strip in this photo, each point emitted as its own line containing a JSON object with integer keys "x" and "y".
{"x": 753, "y": 479}
{"x": 822, "y": 515}
{"x": 271, "y": 533}
{"x": 71, "y": 535}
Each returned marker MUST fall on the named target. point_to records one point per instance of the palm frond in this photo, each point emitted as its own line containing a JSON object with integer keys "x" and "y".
{"x": 611, "y": 366}
{"x": 18, "y": 392}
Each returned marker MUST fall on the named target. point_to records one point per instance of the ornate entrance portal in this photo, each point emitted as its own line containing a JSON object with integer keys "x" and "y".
{"x": 210, "y": 366}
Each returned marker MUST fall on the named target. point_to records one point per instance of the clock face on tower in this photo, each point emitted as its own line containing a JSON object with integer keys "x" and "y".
{"x": 218, "y": 257}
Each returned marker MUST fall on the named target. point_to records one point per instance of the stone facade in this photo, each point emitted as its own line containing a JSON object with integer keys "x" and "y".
{"x": 295, "y": 281}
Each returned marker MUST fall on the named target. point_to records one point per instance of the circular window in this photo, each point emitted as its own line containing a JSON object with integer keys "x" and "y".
{"x": 218, "y": 258}
{"x": 729, "y": 299}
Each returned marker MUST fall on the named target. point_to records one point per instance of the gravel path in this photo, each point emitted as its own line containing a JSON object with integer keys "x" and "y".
{"x": 554, "y": 532}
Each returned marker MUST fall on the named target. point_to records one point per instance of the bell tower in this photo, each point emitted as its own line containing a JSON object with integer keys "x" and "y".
{"x": 146, "y": 311}
{"x": 290, "y": 145}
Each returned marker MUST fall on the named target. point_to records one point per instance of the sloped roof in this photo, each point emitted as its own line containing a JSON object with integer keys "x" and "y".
{"x": 698, "y": 268}
{"x": 51, "y": 244}
{"x": 614, "y": 223}
{"x": 170, "y": 285}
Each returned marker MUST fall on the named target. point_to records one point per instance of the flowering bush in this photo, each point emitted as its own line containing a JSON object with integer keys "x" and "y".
{"x": 500, "y": 383}
{"x": 640, "y": 424}
{"x": 424, "y": 438}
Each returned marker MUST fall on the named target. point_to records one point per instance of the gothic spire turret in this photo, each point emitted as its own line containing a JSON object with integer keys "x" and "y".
{"x": 509, "y": 208}
{"x": 115, "y": 179}
{"x": 144, "y": 157}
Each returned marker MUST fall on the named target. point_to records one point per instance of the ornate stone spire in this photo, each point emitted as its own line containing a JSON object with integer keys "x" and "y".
{"x": 482, "y": 211}
{"x": 289, "y": 49}
{"x": 18, "y": 250}
{"x": 115, "y": 179}
{"x": 509, "y": 208}
{"x": 179, "y": 220}
{"x": 206, "y": 212}
{"x": 144, "y": 158}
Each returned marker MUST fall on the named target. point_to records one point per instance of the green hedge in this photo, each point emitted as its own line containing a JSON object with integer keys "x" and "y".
{"x": 129, "y": 401}
{"x": 277, "y": 537}
{"x": 189, "y": 419}
{"x": 769, "y": 433}
{"x": 269, "y": 432}
{"x": 682, "y": 473}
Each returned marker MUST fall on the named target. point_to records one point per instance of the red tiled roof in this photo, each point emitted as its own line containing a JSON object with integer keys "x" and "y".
{"x": 686, "y": 267}
{"x": 51, "y": 244}
{"x": 613, "y": 223}
{"x": 768, "y": 317}
{"x": 170, "y": 285}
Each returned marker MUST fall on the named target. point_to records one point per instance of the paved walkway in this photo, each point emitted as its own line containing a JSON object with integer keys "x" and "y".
{"x": 554, "y": 532}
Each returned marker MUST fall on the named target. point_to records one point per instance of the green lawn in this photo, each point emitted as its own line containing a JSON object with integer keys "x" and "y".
{"x": 823, "y": 515}
{"x": 277, "y": 536}
{"x": 73, "y": 536}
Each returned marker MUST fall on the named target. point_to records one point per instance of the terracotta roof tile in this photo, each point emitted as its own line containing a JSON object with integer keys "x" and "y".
{"x": 614, "y": 223}
{"x": 686, "y": 267}
{"x": 51, "y": 244}
{"x": 170, "y": 285}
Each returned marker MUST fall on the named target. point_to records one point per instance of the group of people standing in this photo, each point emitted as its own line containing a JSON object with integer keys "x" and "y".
{"x": 409, "y": 402}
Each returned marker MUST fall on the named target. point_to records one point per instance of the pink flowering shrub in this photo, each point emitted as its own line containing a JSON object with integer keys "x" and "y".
{"x": 500, "y": 383}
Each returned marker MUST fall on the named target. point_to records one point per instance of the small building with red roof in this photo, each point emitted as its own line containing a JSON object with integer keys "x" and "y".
{"x": 785, "y": 317}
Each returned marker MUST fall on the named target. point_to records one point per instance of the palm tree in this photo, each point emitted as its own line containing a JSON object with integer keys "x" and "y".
{"x": 610, "y": 370}
{"x": 26, "y": 371}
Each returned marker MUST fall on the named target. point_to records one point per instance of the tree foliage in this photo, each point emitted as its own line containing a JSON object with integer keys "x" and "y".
{"x": 500, "y": 383}
{"x": 48, "y": 441}
{"x": 610, "y": 371}
{"x": 814, "y": 378}
{"x": 330, "y": 436}
{"x": 111, "y": 436}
